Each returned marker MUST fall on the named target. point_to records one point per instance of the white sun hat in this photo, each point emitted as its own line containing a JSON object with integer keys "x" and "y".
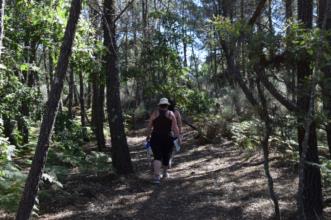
{"x": 164, "y": 101}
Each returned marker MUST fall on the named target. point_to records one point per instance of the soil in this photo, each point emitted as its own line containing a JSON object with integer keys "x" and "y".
{"x": 207, "y": 181}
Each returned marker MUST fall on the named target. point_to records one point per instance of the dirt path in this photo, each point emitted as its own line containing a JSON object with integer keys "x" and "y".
{"x": 207, "y": 182}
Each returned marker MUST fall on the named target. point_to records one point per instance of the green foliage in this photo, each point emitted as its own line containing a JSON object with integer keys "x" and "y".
{"x": 195, "y": 102}
{"x": 229, "y": 30}
{"x": 164, "y": 75}
{"x": 69, "y": 152}
{"x": 11, "y": 184}
{"x": 13, "y": 93}
{"x": 303, "y": 42}
{"x": 11, "y": 177}
{"x": 246, "y": 134}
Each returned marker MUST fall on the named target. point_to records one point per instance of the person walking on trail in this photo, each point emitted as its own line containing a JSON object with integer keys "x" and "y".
{"x": 172, "y": 107}
{"x": 160, "y": 125}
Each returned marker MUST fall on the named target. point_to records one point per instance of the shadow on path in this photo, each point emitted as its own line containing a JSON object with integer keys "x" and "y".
{"x": 207, "y": 182}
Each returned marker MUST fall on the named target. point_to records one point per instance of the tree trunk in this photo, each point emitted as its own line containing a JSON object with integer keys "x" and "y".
{"x": 71, "y": 92}
{"x": 234, "y": 69}
{"x": 288, "y": 9}
{"x": 95, "y": 104}
{"x": 271, "y": 28}
{"x": 89, "y": 96}
{"x": 82, "y": 106}
{"x": 121, "y": 159}
{"x": 22, "y": 124}
{"x": 39, "y": 160}
{"x": 100, "y": 116}
{"x": 311, "y": 183}
{"x": 8, "y": 128}
{"x": 51, "y": 65}
{"x": 47, "y": 78}
{"x": 2, "y": 15}
{"x": 326, "y": 82}
{"x": 265, "y": 146}
{"x": 98, "y": 94}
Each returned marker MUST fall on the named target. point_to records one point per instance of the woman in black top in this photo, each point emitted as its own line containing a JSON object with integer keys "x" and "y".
{"x": 160, "y": 125}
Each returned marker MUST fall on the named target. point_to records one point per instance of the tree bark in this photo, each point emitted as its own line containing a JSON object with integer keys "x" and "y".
{"x": 260, "y": 106}
{"x": 8, "y": 128}
{"x": 82, "y": 106}
{"x": 51, "y": 66}
{"x": 288, "y": 9}
{"x": 2, "y": 15}
{"x": 98, "y": 93}
{"x": 311, "y": 182}
{"x": 71, "y": 92}
{"x": 39, "y": 160}
{"x": 100, "y": 115}
{"x": 89, "y": 96}
{"x": 265, "y": 146}
{"x": 326, "y": 82}
{"x": 121, "y": 159}
{"x": 47, "y": 77}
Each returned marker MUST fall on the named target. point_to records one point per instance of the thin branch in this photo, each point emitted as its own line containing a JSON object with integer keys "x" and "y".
{"x": 275, "y": 93}
{"x": 257, "y": 13}
{"x": 125, "y": 8}
{"x": 233, "y": 68}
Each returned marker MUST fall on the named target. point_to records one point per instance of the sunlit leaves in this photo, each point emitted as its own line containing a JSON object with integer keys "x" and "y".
{"x": 229, "y": 30}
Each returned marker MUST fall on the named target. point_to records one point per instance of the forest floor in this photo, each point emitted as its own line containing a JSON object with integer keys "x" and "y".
{"x": 208, "y": 181}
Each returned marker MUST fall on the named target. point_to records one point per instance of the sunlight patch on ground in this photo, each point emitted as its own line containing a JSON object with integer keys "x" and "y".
{"x": 63, "y": 214}
{"x": 263, "y": 206}
{"x": 136, "y": 140}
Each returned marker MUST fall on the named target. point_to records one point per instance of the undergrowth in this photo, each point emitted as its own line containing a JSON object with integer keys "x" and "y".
{"x": 66, "y": 155}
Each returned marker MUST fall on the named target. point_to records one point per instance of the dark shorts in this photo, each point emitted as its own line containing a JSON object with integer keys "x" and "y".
{"x": 162, "y": 146}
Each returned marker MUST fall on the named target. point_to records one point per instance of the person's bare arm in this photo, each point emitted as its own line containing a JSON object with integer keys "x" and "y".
{"x": 179, "y": 121}
{"x": 150, "y": 126}
{"x": 174, "y": 125}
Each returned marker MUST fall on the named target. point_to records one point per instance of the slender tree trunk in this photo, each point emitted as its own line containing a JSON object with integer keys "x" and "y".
{"x": 288, "y": 9}
{"x": 89, "y": 96}
{"x": 82, "y": 106}
{"x": 140, "y": 91}
{"x": 234, "y": 69}
{"x": 101, "y": 117}
{"x": 76, "y": 96}
{"x": 2, "y": 15}
{"x": 265, "y": 146}
{"x": 51, "y": 65}
{"x": 98, "y": 93}
{"x": 120, "y": 151}
{"x": 98, "y": 97}
{"x": 22, "y": 124}
{"x": 39, "y": 160}
{"x": 47, "y": 78}
{"x": 311, "y": 182}
{"x": 271, "y": 29}
{"x": 8, "y": 126}
{"x": 71, "y": 92}
{"x": 185, "y": 48}
{"x": 25, "y": 109}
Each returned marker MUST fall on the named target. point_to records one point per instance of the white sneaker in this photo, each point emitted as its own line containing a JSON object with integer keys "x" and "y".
{"x": 170, "y": 163}
{"x": 165, "y": 175}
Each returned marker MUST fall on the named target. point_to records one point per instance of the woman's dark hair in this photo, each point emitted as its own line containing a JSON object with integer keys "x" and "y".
{"x": 172, "y": 105}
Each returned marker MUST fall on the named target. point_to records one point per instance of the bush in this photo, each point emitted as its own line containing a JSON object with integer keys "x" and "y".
{"x": 11, "y": 178}
{"x": 246, "y": 134}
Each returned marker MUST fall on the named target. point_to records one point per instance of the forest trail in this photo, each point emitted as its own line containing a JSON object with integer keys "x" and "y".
{"x": 207, "y": 182}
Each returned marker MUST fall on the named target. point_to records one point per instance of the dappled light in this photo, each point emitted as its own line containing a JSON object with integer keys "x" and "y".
{"x": 165, "y": 109}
